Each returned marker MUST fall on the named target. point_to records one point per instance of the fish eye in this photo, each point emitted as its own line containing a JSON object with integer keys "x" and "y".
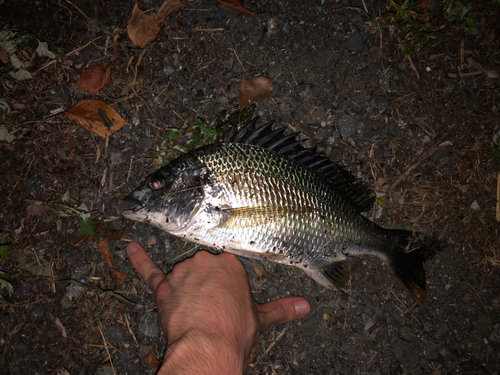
{"x": 155, "y": 184}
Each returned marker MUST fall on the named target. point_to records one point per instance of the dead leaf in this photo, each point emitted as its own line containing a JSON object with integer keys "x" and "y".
{"x": 95, "y": 116}
{"x": 34, "y": 210}
{"x": 236, "y": 5}
{"x": 251, "y": 355}
{"x": 254, "y": 90}
{"x": 143, "y": 30}
{"x": 103, "y": 247}
{"x": 4, "y": 58}
{"x": 94, "y": 78}
{"x": 119, "y": 276}
{"x": 151, "y": 359}
{"x": 116, "y": 235}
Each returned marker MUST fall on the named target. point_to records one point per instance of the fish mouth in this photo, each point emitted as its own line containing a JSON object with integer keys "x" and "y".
{"x": 132, "y": 204}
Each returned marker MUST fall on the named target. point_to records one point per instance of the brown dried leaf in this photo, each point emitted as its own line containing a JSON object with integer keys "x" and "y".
{"x": 143, "y": 30}
{"x": 116, "y": 235}
{"x": 251, "y": 355}
{"x": 94, "y": 78}
{"x": 103, "y": 247}
{"x": 4, "y": 58}
{"x": 95, "y": 116}
{"x": 236, "y": 5}
{"x": 119, "y": 276}
{"x": 254, "y": 90}
{"x": 151, "y": 359}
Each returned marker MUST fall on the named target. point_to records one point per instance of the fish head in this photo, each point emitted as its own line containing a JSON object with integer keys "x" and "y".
{"x": 168, "y": 199}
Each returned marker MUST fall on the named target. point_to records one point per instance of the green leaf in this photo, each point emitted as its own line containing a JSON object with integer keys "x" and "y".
{"x": 472, "y": 31}
{"x": 4, "y": 250}
{"x": 172, "y": 134}
{"x": 5, "y": 276}
{"x": 87, "y": 227}
{"x": 380, "y": 201}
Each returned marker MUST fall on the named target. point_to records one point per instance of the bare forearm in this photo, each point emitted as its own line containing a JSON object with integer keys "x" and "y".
{"x": 199, "y": 355}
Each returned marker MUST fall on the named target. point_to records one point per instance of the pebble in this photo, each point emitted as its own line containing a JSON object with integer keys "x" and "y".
{"x": 149, "y": 326}
{"x": 114, "y": 335}
{"x": 475, "y": 206}
{"x": 71, "y": 294}
{"x": 355, "y": 43}
{"x": 495, "y": 334}
{"x": 347, "y": 125}
{"x": 441, "y": 332}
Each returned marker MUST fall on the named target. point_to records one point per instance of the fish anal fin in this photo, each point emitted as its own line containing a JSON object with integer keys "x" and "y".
{"x": 334, "y": 274}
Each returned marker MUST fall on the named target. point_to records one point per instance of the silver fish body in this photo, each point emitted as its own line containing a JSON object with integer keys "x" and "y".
{"x": 251, "y": 201}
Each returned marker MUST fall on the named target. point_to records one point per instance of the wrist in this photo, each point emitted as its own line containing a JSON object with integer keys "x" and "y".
{"x": 202, "y": 354}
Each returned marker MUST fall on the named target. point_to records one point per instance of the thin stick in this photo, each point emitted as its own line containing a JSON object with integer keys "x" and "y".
{"x": 224, "y": 90}
{"x": 407, "y": 309}
{"x": 341, "y": 85}
{"x": 107, "y": 349}
{"x": 427, "y": 154}
{"x": 498, "y": 197}
{"x": 413, "y": 66}
{"x": 232, "y": 49}
{"x": 271, "y": 346}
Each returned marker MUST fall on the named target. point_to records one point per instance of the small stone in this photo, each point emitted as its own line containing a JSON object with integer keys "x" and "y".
{"x": 381, "y": 104}
{"x": 495, "y": 334}
{"x": 492, "y": 74}
{"x": 114, "y": 335}
{"x": 441, "y": 332}
{"x": 347, "y": 126}
{"x": 72, "y": 294}
{"x": 475, "y": 206}
{"x": 149, "y": 325}
{"x": 369, "y": 71}
{"x": 355, "y": 43}
{"x": 105, "y": 370}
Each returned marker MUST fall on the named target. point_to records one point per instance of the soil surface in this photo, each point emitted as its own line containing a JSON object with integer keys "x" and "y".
{"x": 418, "y": 129}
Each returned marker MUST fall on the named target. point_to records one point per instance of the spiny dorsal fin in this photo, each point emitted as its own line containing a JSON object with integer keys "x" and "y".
{"x": 264, "y": 136}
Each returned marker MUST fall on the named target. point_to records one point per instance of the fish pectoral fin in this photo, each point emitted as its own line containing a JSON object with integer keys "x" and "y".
{"x": 335, "y": 274}
{"x": 248, "y": 217}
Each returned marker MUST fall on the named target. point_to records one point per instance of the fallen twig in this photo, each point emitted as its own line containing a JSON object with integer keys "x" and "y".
{"x": 426, "y": 155}
{"x": 274, "y": 342}
{"x": 341, "y": 85}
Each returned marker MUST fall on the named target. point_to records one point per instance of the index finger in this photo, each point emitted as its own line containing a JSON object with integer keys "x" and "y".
{"x": 149, "y": 271}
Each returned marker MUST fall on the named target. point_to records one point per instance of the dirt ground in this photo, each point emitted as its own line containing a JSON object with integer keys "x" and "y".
{"x": 418, "y": 129}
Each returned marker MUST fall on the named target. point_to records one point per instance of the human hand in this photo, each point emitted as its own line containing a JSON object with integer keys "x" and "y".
{"x": 207, "y": 312}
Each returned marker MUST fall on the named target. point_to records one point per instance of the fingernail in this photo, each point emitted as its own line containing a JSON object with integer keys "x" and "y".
{"x": 302, "y": 308}
{"x": 132, "y": 248}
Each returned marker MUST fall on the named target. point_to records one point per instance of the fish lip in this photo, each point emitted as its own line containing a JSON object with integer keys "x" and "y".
{"x": 133, "y": 203}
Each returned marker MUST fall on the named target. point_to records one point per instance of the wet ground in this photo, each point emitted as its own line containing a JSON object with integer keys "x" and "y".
{"x": 418, "y": 129}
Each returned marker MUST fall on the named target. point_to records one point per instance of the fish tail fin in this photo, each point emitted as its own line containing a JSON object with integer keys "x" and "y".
{"x": 407, "y": 258}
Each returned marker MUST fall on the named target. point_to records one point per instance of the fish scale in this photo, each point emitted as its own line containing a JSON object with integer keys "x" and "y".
{"x": 256, "y": 202}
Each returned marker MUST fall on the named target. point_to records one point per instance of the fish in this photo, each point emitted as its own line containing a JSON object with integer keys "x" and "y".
{"x": 262, "y": 194}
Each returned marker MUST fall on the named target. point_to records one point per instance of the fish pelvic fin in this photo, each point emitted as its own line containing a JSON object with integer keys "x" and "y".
{"x": 407, "y": 258}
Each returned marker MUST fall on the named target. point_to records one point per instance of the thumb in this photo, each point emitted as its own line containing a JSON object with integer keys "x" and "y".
{"x": 282, "y": 310}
